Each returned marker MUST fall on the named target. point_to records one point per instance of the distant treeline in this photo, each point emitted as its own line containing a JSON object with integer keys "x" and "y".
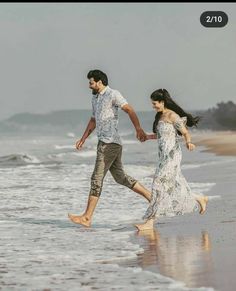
{"x": 222, "y": 117}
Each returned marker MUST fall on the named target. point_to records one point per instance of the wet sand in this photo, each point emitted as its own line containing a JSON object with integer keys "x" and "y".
{"x": 199, "y": 250}
{"x": 219, "y": 142}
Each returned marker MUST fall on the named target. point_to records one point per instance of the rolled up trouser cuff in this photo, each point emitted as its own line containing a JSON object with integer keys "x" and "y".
{"x": 96, "y": 189}
{"x": 96, "y": 186}
{"x": 129, "y": 182}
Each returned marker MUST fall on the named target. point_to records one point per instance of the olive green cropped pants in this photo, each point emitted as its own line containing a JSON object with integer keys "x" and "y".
{"x": 109, "y": 158}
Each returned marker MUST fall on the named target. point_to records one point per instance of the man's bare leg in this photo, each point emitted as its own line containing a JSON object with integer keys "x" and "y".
{"x": 140, "y": 189}
{"x": 145, "y": 226}
{"x": 86, "y": 218}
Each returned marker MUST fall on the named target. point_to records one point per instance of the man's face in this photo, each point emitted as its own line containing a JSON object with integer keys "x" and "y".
{"x": 94, "y": 85}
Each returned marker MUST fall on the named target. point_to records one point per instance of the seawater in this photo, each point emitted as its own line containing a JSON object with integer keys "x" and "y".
{"x": 43, "y": 177}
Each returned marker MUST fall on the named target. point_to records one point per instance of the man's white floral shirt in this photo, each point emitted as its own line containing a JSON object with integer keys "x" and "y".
{"x": 105, "y": 107}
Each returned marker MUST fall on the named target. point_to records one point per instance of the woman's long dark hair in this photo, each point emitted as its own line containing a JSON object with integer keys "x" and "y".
{"x": 169, "y": 103}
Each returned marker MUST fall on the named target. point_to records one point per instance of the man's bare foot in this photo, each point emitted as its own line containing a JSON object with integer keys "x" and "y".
{"x": 144, "y": 226}
{"x": 80, "y": 220}
{"x": 203, "y": 203}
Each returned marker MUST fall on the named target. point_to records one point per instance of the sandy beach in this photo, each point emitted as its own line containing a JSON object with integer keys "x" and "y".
{"x": 198, "y": 250}
{"x": 219, "y": 142}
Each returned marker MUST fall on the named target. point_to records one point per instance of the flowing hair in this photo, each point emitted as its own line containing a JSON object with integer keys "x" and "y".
{"x": 169, "y": 103}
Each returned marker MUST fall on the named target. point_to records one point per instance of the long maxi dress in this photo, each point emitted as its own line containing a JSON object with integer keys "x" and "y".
{"x": 171, "y": 194}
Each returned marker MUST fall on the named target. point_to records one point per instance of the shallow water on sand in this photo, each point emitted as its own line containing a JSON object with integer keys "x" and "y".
{"x": 44, "y": 178}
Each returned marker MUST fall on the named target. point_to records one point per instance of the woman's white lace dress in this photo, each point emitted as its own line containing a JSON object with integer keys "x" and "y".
{"x": 171, "y": 194}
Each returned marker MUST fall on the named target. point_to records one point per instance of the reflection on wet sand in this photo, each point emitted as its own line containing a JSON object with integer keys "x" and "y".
{"x": 185, "y": 258}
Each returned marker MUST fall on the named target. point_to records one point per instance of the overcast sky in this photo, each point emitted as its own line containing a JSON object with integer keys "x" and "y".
{"x": 46, "y": 51}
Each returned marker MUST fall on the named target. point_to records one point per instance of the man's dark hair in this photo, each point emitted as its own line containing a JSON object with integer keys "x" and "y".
{"x": 98, "y": 75}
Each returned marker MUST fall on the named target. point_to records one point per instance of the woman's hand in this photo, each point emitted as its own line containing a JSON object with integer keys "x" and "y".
{"x": 190, "y": 146}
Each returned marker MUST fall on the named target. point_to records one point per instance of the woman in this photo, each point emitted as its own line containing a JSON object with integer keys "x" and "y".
{"x": 171, "y": 194}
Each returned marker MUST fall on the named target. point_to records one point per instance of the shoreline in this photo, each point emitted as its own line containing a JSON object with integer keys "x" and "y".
{"x": 193, "y": 249}
{"x": 197, "y": 250}
{"x": 221, "y": 143}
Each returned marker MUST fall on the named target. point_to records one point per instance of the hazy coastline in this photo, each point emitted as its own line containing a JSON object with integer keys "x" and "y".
{"x": 218, "y": 142}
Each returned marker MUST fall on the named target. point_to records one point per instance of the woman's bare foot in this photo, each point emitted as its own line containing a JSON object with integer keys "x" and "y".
{"x": 144, "y": 226}
{"x": 203, "y": 203}
{"x": 80, "y": 220}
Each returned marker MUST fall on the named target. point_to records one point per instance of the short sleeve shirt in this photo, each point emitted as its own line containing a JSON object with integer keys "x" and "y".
{"x": 105, "y": 107}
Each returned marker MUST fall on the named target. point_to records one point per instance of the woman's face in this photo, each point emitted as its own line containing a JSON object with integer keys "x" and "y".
{"x": 158, "y": 105}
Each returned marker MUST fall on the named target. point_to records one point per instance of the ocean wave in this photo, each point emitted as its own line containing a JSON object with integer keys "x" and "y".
{"x": 18, "y": 159}
{"x": 70, "y": 134}
{"x": 83, "y": 154}
{"x": 129, "y": 141}
{"x": 59, "y": 147}
{"x": 126, "y": 133}
{"x": 191, "y": 166}
{"x": 140, "y": 171}
{"x": 86, "y": 154}
{"x": 201, "y": 187}
{"x": 207, "y": 163}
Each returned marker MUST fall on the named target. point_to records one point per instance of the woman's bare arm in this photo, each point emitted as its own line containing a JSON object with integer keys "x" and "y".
{"x": 183, "y": 129}
{"x": 151, "y": 136}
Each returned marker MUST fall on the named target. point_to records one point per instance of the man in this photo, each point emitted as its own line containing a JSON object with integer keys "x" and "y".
{"x": 105, "y": 104}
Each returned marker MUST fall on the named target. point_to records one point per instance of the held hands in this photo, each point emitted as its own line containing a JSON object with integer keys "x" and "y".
{"x": 141, "y": 135}
{"x": 79, "y": 144}
{"x": 190, "y": 146}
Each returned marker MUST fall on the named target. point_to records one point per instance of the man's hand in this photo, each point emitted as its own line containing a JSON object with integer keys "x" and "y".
{"x": 90, "y": 127}
{"x": 79, "y": 143}
{"x": 141, "y": 135}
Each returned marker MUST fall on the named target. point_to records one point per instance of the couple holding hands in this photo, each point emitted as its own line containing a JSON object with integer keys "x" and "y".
{"x": 170, "y": 194}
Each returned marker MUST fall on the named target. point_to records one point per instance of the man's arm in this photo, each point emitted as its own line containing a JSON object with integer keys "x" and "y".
{"x": 140, "y": 134}
{"x": 89, "y": 129}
